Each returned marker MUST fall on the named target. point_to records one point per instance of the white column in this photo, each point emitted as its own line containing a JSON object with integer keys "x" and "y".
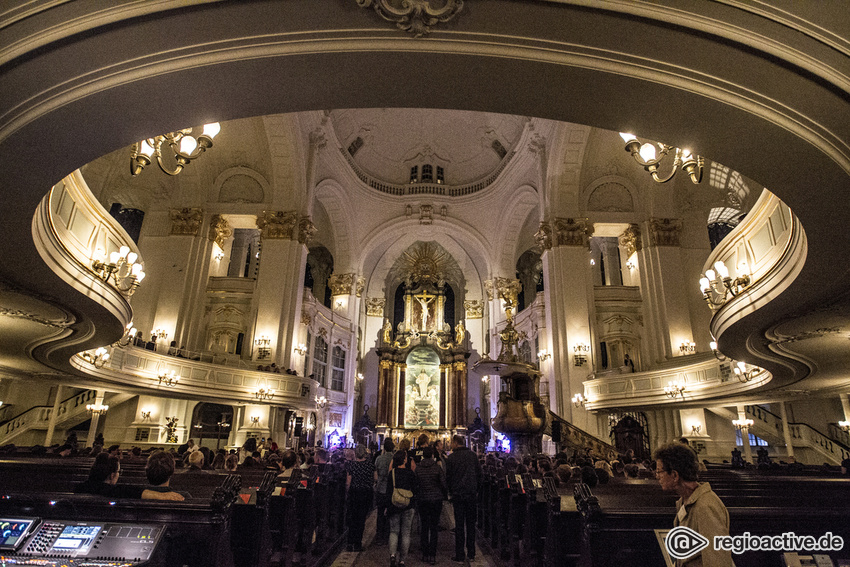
{"x": 51, "y": 425}
{"x": 845, "y": 405}
{"x": 745, "y": 435}
{"x": 786, "y": 431}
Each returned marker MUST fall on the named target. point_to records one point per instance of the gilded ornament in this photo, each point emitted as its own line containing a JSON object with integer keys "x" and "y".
{"x": 186, "y": 221}
{"x": 426, "y": 214}
{"x": 543, "y": 236}
{"x": 488, "y": 287}
{"x": 359, "y": 286}
{"x": 572, "y": 232}
{"x": 306, "y": 230}
{"x": 277, "y": 225}
{"x": 219, "y": 230}
{"x": 375, "y": 306}
{"x": 341, "y": 284}
{"x": 473, "y": 309}
{"x": 630, "y": 240}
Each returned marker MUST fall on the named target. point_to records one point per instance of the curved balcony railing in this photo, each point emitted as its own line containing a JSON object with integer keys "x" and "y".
{"x": 770, "y": 246}
{"x": 71, "y": 229}
{"x": 704, "y": 378}
{"x": 136, "y": 370}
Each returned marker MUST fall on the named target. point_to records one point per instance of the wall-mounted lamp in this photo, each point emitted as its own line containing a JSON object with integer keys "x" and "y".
{"x": 97, "y": 409}
{"x": 580, "y": 356}
{"x": 844, "y": 425}
{"x": 218, "y": 255}
{"x": 146, "y": 414}
{"x": 97, "y": 358}
{"x": 263, "y": 345}
{"x": 687, "y": 347}
{"x": 716, "y": 285}
{"x": 264, "y": 393}
{"x": 169, "y": 379}
{"x": 743, "y": 373}
{"x": 543, "y": 355}
{"x": 630, "y": 265}
{"x": 485, "y": 379}
{"x": 360, "y": 376}
{"x": 674, "y": 389}
{"x": 696, "y": 429}
{"x": 301, "y": 349}
{"x": 592, "y": 262}
{"x": 650, "y": 156}
{"x": 742, "y": 423}
{"x": 579, "y": 401}
{"x": 160, "y": 334}
{"x": 310, "y": 427}
{"x": 255, "y": 419}
{"x": 321, "y": 402}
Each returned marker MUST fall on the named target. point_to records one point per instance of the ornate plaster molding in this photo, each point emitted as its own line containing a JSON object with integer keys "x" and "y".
{"x": 473, "y": 309}
{"x": 341, "y": 284}
{"x": 414, "y": 16}
{"x": 277, "y": 225}
{"x": 630, "y": 240}
{"x": 219, "y": 230}
{"x": 306, "y": 230}
{"x": 543, "y": 236}
{"x": 186, "y": 221}
{"x": 572, "y": 232}
{"x": 375, "y": 306}
{"x": 665, "y": 232}
{"x": 19, "y": 314}
{"x": 359, "y": 286}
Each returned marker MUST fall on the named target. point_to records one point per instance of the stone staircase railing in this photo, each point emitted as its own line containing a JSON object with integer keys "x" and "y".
{"x": 38, "y": 417}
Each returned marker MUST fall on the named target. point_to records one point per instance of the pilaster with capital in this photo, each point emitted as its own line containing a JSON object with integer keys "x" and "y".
{"x": 220, "y": 231}
{"x": 186, "y": 221}
{"x": 572, "y": 232}
{"x": 277, "y": 225}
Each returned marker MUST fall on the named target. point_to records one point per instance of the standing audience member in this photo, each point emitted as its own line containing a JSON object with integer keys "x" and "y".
{"x": 382, "y": 499}
{"x": 463, "y": 475}
{"x": 401, "y": 518}
{"x": 432, "y": 491}
{"x": 698, "y": 507}
{"x": 359, "y": 484}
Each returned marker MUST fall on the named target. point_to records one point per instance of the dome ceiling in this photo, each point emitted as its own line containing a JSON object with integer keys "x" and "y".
{"x": 468, "y": 145}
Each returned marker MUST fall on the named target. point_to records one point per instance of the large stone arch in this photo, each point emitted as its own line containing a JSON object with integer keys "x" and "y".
{"x": 335, "y": 201}
{"x": 783, "y": 96}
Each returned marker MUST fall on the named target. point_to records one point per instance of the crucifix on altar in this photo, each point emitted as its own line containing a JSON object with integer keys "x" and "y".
{"x": 424, "y": 310}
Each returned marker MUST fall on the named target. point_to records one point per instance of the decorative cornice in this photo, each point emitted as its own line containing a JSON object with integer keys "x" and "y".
{"x": 375, "y": 306}
{"x": 414, "y": 16}
{"x": 219, "y": 230}
{"x": 507, "y": 288}
{"x": 186, "y": 221}
{"x": 341, "y": 284}
{"x": 630, "y": 240}
{"x": 473, "y": 308}
{"x": 277, "y": 225}
{"x": 572, "y": 232}
{"x": 665, "y": 232}
{"x": 18, "y": 314}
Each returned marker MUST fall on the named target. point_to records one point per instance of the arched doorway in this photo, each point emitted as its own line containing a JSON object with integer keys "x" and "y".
{"x": 211, "y": 424}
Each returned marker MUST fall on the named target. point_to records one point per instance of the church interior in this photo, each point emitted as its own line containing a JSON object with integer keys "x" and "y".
{"x": 650, "y": 197}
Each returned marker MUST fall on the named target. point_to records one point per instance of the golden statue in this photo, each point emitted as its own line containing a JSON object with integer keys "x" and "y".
{"x": 388, "y": 329}
{"x": 460, "y": 333}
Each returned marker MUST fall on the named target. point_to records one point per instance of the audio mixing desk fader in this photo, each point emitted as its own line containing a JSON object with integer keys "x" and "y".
{"x": 64, "y": 543}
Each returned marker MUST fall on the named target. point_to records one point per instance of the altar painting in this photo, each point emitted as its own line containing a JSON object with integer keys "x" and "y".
{"x": 422, "y": 389}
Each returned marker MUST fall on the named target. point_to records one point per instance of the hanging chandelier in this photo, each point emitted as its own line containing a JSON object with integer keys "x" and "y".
{"x": 185, "y": 147}
{"x": 650, "y": 155}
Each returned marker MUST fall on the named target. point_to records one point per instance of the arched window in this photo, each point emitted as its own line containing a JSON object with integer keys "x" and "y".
{"x": 338, "y": 371}
{"x": 320, "y": 360}
{"x": 414, "y": 174}
{"x": 427, "y": 173}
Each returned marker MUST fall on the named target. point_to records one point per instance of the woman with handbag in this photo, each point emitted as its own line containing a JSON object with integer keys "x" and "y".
{"x": 401, "y": 488}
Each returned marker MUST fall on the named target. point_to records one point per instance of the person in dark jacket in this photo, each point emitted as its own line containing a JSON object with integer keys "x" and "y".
{"x": 103, "y": 478}
{"x": 463, "y": 475}
{"x": 432, "y": 492}
{"x": 401, "y": 519}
